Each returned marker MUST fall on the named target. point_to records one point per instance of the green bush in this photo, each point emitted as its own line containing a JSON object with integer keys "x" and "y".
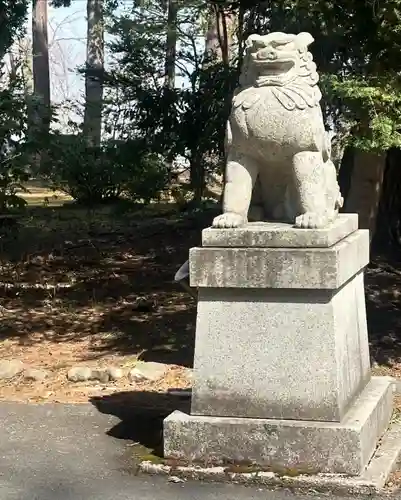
{"x": 97, "y": 175}
{"x": 14, "y": 147}
{"x": 79, "y": 170}
{"x": 149, "y": 179}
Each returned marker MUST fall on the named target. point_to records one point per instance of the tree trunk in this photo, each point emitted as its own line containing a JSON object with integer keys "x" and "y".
{"x": 241, "y": 37}
{"x": 25, "y": 57}
{"x": 388, "y": 232}
{"x": 93, "y": 76}
{"x": 212, "y": 43}
{"x": 171, "y": 44}
{"x": 220, "y": 32}
{"x": 40, "y": 64}
{"x": 366, "y": 187}
{"x": 197, "y": 176}
{"x": 169, "y": 67}
{"x": 219, "y": 37}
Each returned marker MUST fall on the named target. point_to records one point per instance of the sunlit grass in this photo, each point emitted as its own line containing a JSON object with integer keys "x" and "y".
{"x": 40, "y": 196}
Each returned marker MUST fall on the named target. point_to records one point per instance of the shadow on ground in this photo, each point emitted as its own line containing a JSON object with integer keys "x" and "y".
{"x": 70, "y": 274}
{"x": 141, "y": 417}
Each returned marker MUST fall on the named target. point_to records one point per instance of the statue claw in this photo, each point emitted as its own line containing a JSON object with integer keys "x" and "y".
{"x": 311, "y": 220}
{"x": 229, "y": 219}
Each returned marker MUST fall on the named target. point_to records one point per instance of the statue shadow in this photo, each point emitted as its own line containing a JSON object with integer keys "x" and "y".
{"x": 141, "y": 415}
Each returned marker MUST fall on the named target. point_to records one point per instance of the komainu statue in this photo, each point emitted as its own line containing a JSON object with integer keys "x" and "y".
{"x": 277, "y": 146}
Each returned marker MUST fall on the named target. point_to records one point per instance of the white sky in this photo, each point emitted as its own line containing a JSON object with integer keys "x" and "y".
{"x": 67, "y": 51}
{"x": 67, "y": 44}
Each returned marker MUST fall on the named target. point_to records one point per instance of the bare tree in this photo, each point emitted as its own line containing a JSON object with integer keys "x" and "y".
{"x": 65, "y": 55}
{"x": 219, "y": 37}
{"x": 95, "y": 66}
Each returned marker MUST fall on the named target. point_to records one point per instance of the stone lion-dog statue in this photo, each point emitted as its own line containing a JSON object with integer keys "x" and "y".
{"x": 276, "y": 141}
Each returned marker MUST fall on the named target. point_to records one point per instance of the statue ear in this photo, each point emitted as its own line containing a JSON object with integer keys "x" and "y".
{"x": 250, "y": 41}
{"x": 304, "y": 39}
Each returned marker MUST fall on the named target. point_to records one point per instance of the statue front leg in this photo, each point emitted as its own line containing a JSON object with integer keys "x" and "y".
{"x": 312, "y": 211}
{"x": 241, "y": 173}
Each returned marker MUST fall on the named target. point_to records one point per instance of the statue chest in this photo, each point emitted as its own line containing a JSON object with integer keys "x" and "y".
{"x": 257, "y": 114}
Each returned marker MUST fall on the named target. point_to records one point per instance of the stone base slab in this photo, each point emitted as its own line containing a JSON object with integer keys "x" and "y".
{"x": 309, "y": 447}
{"x": 371, "y": 481}
{"x": 278, "y": 234}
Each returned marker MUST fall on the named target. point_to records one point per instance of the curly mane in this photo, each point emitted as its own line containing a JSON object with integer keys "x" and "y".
{"x": 299, "y": 92}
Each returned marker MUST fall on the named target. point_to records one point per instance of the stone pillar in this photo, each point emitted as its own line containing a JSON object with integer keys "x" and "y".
{"x": 281, "y": 372}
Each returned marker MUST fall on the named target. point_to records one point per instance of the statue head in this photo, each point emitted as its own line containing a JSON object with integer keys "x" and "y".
{"x": 277, "y": 59}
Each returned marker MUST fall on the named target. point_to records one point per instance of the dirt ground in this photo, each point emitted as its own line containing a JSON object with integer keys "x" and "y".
{"x": 95, "y": 287}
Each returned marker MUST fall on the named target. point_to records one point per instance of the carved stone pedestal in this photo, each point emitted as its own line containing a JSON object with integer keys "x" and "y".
{"x": 282, "y": 372}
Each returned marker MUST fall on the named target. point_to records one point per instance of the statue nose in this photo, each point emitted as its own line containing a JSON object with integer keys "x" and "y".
{"x": 267, "y": 54}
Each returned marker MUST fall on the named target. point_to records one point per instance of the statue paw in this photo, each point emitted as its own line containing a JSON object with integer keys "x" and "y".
{"x": 311, "y": 220}
{"x": 230, "y": 219}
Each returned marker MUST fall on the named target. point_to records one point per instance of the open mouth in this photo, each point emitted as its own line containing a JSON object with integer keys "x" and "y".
{"x": 274, "y": 67}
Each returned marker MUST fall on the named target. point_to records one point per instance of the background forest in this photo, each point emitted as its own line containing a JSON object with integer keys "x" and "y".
{"x": 141, "y": 136}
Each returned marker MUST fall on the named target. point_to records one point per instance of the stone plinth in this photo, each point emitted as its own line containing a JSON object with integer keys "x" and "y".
{"x": 288, "y": 354}
{"x": 281, "y": 370}
{"x": 281, "y": 332}
{"x": 308, "y": 447}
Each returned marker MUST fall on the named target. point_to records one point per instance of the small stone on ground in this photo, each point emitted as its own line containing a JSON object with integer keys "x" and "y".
{"x": 35, "y": 374}
{"x": 175, "y": 479}
{"x": 10, "y": 368}
{"x": 147, "y": 371}
{"x": 115, "y": 373}
{"x": 79, "y": 374}
{"x": 100, "y": 375}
